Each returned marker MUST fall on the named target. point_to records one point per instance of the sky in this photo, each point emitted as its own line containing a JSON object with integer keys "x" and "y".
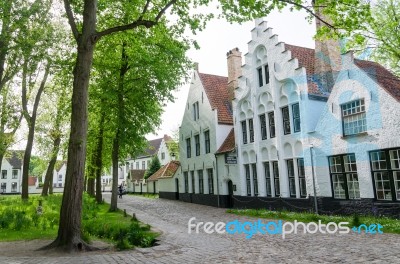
{"x": 217, "y": 39}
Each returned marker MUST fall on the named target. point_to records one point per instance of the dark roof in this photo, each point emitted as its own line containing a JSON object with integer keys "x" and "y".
{"x": 15, "y": 159}
{"x": 228, "y": 144}
{"x": 166, "y": 171}
{"x": 153, "y": 146}
{"x": 382, "y": 76}
{"x": 137, "y": 175}
{"x": 216, "y": 88}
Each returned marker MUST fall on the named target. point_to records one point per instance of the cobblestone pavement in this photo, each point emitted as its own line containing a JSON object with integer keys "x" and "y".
{"x": 177, "y": 246}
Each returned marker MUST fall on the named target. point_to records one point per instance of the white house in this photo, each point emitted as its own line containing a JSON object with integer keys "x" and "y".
{"x": 59, "y": 174}
{"x": 11, "y": 174}
{"x": 303, "y": 116}
{"x": 206, "y": 123}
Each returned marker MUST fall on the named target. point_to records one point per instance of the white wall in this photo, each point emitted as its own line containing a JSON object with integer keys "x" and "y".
{"x": 6, "y": 166}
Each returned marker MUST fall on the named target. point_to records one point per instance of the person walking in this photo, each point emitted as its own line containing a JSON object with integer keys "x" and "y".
{"x": 120, "y": 189}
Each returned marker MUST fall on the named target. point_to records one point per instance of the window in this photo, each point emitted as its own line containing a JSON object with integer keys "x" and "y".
{"x": 263, "y": 125}
{"x": 244, "y": 132}
{"x": 193, "y": 183}
{"x": 260, "y": 77}
{"x": 354, "y": 118}
{"x": 248, "y": 181}
{"x": 127, "y": 166}
{"x": 188, "y": 148}
{"x": 255, "y": 183}
{"x": 275, "y": 170}
{"x": 251, "y": 130}
{"x": 292, "y": 179}
{"x": 207, "y": 141}
{"x": 344, "y": 176}
{"x": 296, "y": 117}
{"x": 196, "y": 111}
{"x": 266, "y": 68}
{"x": 210, "y": 181}
{"x": 137, "y": 165}
{"x": 143, "y": 165}
{"x": 162, "y": 155}
{"x": 302, "y": 177}
{"x": 4, "y": 174}
{"x": 286, "y": 120}
{"x": 13, "y": 187}
{"x": 15, "y": 174}
{"x": 3, "y": 187}
{"x": 197, "y": 144}
{"x": 201, "y": 181}
{"x": 185, "y": 176}
{"x": 385, "y": 166}
{"x": 271, "y": 122}
{"x": 60, "y": 177}
{"x": 267, "y": 179}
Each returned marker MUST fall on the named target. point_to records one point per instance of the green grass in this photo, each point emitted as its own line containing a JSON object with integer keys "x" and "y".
{"x": 20, "y": 221}
{"x": 146, "y": 195}
{"x": 390, "y": 225}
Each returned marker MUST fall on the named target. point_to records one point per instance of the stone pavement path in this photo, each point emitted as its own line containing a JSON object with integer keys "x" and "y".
{"x": 177, "y": 246}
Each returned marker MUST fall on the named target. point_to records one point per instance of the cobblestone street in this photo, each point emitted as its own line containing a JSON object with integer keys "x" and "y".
{"x": 177, "y": 246}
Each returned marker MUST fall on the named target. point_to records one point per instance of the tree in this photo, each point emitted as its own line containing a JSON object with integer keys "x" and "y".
{"x": 146, "y": 14}
{"x": 379, "y": 38}
{"x": 155, "y": 165}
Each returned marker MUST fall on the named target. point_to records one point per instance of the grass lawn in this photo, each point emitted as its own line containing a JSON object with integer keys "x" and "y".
{"x": 24, "y": 221}
{"x": 390, "y": 225}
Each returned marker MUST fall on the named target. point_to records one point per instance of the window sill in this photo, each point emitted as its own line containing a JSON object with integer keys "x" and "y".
{"x": 355, "y": 135}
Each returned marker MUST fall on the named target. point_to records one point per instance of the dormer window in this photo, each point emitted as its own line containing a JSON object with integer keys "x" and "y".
{"x": 354, "y": 119}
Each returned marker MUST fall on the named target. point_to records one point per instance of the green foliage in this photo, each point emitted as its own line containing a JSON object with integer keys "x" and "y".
{"x": 20, "y": 220}
{"x": 379, "y": 37}
{"x": 155, "y": 165}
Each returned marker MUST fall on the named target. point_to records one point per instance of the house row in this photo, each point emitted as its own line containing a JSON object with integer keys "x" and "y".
{"x": 11, "y": 175}
{"x": 290, "y": 128}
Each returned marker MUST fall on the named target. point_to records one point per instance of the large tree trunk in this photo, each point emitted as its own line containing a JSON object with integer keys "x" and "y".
{"x": 90, "y": 185}
{"x": 114, "y": 190}
{"x": 31, "y": 120}
{"x": 69, "y": 230}
{"x": 99, "y": 159}
{"x": 50, "y": 169}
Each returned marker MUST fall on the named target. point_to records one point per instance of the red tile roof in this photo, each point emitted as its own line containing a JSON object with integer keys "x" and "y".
{"x": 382, "y": 76}
{"x": 216, "y": 88}
{"x": 377, "y": 72}
{"x": 166, "y": 171}
{"x": 137, "y": 175}
{"x": 228, "y": 144}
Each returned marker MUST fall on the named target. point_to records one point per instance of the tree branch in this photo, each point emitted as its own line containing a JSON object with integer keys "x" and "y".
{"x": 71, "y": 19}
{"x": 146, "y": 6}
{"x": 40, "y": 91}
{"x": 139, "y": 22}
{"x": 310, "y": 11}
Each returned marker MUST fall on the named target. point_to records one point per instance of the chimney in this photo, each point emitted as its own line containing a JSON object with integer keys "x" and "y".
{"x": 328, "y": 59}
{"x": 234, "y": 60}
{"x": 196, "y": 66}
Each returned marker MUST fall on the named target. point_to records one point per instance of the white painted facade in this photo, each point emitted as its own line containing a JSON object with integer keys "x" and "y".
{"x": 205, "y": 122}
{"x": 59, "y": 176}
{"x": 382, "y": 129}
{"x": 285, "y": 87}
{"x": 10, "y": 178}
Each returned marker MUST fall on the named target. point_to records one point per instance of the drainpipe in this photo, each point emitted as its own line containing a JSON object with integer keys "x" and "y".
{"x": 216, "y": 172}
{"x": 313, "y": 178}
